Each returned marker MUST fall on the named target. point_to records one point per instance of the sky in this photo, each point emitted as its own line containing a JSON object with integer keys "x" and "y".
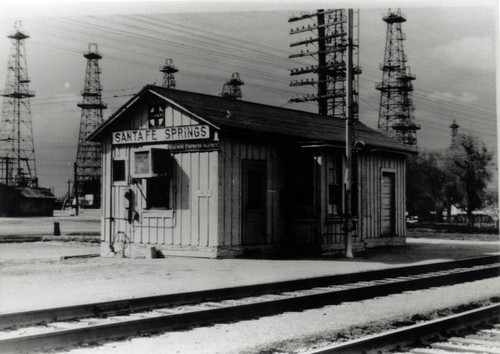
{"x": 450, "y": 45}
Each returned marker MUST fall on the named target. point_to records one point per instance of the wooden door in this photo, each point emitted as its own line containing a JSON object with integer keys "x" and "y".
{"x": 254, "y": 202}
{"x": 387, "y": 204}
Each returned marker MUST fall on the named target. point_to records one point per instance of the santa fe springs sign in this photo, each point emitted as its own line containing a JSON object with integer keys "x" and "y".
{"x": 180, "y": 133}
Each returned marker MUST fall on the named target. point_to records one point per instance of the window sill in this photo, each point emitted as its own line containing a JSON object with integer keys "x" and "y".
{"x": 158, "y": 213}
{"x": 119, "y": 183}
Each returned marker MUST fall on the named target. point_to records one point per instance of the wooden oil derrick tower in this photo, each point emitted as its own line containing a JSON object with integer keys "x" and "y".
{"x": 396, "y": 117}
{"x": 17, "y": 151}
{"x": 329, "y": 42}
{"x": 232, "y": 87}
{"x": 168, "y": 71}
{"x": 88, "y": 159}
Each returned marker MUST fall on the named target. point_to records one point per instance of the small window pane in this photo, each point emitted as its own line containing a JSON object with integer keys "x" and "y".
{"x": 141, "y": 162}
{"x": 158, "y": 193}
{"x": 335, "y": 187}
{"x": 118, "y": 170}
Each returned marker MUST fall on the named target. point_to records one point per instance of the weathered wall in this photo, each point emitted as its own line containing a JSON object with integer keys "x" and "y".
{"x": 371, "y": 168}
{"x": 190, "y": 226}
{"x": 232, "y": 154}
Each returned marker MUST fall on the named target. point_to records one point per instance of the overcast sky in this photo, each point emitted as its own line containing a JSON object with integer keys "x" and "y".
{"x": 450, "y": 47}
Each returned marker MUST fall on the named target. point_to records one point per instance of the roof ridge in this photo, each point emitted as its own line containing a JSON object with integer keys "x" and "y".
{"x": 243, "y": 101}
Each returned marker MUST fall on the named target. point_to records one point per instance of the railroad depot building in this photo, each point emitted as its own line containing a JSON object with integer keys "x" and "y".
{"x": 198, "y": 175}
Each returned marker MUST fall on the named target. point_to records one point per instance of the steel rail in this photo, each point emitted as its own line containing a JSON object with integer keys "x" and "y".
{"x": 65, "y": 338}
{"x": 410, "y": 334}
{"x": 125, "y": 306}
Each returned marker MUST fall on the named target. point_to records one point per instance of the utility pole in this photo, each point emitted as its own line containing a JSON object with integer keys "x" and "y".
{"x": 69, "y": 187}
{"x": 349, "y": 129}
{"x": 7, "y": 162}
{"x": 75, "y": 187}
{"x": 329, "y": 55}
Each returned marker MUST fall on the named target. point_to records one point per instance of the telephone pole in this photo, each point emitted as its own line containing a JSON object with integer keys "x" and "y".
{"x": 349, "y": 135}
{"x": 329, "y": 42}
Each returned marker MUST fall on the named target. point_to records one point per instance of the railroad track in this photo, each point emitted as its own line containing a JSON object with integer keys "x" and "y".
{"x": 457, "y": 333}
{"x": 66, "y": 326}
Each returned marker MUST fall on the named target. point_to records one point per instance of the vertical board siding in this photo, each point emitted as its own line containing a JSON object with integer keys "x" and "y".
{"x": 195, "y": 200}
{"x": 371, "y": 167}
{"x": 106, "y": 192}
{"x": 169, "y": 117}
{"x": 230, "y": 174}
{"x": 235, "y": 196}
{"x": 226, "y": 186}
{"x": 202, "y": 202}
{"x": 265, "y": 154}
{"x": 213, "y": 201}
{"x": 184, "y": 206}
{"x": 193, "y": 220}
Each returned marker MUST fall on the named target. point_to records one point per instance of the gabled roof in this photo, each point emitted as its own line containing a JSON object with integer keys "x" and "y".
{"x": 35, "y": 193}
{"x": 29, "y": 192}
{"x": 237, "y": 115}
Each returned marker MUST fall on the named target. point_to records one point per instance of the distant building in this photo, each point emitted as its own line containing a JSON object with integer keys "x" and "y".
{"x": 26, "y": 201}
{"x": 198, "y": 175}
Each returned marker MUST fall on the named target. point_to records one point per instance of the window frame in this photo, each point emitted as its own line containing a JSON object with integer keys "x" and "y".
{"x": 336, "y": 164}
{"x": 171, "y": 176}
{"x": 123, "y": 182}
{"x": 169, "y": 189}
{"x": 309, "y": 170}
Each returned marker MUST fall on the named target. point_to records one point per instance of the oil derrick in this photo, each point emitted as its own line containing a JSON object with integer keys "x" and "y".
{"x": 168, "y": 71}
{"x": 232, "y": 87}
{"x": 88, "y": 159}
{"x": 396, "y": 116}
{"x": 17, "y": 150}
{"x": 329, "y": 41}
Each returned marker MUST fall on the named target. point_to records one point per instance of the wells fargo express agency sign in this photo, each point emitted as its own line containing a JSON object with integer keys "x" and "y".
{"x": 191, "y": 132}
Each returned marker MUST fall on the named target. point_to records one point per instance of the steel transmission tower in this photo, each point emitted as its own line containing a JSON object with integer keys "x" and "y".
{"x": 168, "y": 71}
{"x": 88, "y": 159}
{"x": 232, "y": 87}
{"x": 17, "y": 150}
{"x": 329, "y": 29}
{"x": 396, "y": 116}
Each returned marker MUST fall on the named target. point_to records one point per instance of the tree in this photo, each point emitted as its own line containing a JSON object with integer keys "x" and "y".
{"x": 427, "y": 185}
{"x": 469, "y": 163}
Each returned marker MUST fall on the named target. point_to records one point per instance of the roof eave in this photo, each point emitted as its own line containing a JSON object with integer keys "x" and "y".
{"x": 96, "y": 134}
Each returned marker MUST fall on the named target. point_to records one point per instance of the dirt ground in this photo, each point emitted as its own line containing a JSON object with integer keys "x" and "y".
{"x": 88, "y": 222}
{"x": 32, "y": 275}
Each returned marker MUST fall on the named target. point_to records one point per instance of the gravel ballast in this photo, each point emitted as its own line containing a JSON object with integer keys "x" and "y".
{"x": 297, "y": 331}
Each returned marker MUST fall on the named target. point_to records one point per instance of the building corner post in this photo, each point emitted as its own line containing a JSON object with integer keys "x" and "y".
{"x": 348, "y": 139}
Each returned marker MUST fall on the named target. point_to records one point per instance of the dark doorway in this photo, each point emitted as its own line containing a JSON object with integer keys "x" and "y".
{"x": 254, "y": 203}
